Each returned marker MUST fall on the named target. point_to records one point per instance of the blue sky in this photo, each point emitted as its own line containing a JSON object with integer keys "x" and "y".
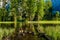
{"x": 56, "y": 5}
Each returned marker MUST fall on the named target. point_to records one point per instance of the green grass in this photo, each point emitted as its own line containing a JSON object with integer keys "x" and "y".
{"x": 45, "y": 22}
{"x": 7, "y": 22}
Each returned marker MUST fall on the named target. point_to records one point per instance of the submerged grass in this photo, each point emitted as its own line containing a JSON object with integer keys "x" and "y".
{"x": 53, "y": 31}
{"x": 5, "y": 31}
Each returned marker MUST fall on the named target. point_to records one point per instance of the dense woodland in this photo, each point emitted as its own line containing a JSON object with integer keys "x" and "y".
{"x": 29, "y": 10}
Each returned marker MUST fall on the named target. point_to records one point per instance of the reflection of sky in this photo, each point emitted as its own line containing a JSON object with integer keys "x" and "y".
{"x": 45, "y": 0}
{"x": 7, "y": 6}
{"x": 55, "y": 5}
